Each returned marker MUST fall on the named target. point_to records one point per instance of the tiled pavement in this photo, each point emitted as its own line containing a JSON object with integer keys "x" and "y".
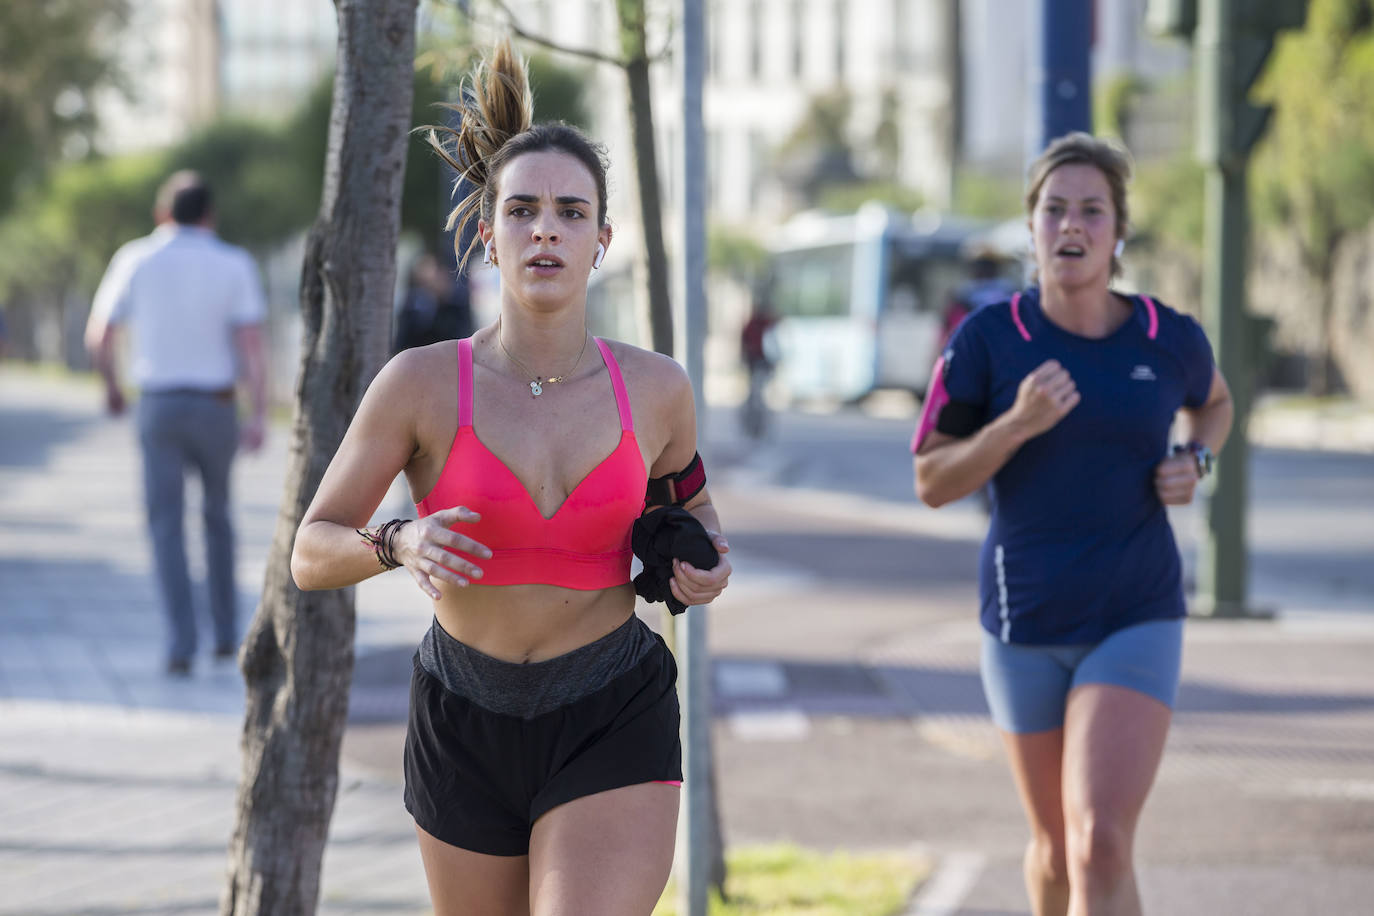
{"x": 117, "y": 784}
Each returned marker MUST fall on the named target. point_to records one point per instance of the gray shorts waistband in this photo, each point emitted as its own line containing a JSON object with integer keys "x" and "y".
{"x": 532, "y": 689}
{"x": 219, "y": 394}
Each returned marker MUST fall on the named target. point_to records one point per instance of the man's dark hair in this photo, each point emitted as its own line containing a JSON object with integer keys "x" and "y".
{"x": 984, "y": 267}
{"x": 185, "y": 197}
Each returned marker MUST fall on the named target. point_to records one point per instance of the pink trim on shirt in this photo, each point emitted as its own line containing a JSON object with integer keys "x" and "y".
{"x": 936, "y": 398}
{"x": 1016, "y": 316}
{"x": 1154, "y": 316}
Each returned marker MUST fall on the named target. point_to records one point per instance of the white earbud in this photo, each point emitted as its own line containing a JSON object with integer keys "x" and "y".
{"x": 486, "y": 256}
{"x": 600, "y": 255}
{"x": 1120, "y": 247}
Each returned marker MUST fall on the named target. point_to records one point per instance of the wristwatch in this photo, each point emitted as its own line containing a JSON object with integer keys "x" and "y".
{"x": 1201, "y": 454}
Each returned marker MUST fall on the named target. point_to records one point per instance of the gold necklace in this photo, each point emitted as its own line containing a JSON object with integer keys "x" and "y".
{"x": 538, "y": 382}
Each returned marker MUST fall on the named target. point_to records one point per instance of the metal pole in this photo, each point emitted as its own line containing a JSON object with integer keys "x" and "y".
{"x": 1064, "y": 68}
{"x": 1222, "y": 560}
{"x": 695, "y": 690}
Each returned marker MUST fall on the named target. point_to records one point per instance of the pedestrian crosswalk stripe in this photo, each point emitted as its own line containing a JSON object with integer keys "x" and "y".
{"x": 770, "y": 725}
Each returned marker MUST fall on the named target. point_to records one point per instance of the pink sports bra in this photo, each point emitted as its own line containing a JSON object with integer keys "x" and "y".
{"x": 585, "y": 545}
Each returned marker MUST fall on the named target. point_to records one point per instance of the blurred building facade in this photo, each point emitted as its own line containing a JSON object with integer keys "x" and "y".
{"x": 190, "y": 61}
{"x": 998, "y": 41}
{"x": 889, "y": 61}
{"x": 948, "y": 80}
{"x": 892, "y": 61}
{"x": 945, "y": 81}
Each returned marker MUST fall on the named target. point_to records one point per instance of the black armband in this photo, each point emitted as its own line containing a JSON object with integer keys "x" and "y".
{"x": 676, "y": 489}
{"x": 959, "y": 420}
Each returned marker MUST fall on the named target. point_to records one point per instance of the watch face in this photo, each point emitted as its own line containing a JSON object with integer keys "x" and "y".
{"x": 1204, "y": 460}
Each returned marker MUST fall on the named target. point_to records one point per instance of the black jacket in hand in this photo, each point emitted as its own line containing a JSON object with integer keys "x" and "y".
{"x": 658, "y": 537}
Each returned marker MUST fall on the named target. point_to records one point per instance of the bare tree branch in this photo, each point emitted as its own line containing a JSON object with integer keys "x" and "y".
{"x": 666, "y": 52}
{"x": 534, "y": 38}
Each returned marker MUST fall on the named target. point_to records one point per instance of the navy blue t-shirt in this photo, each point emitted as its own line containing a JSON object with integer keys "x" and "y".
{"x": 1079, "y": 544}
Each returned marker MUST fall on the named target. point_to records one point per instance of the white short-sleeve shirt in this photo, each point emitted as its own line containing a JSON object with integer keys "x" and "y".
{"x": 182, "y": 292}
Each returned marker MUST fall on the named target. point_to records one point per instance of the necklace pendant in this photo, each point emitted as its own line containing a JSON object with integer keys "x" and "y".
{"x": 536, "y": 389}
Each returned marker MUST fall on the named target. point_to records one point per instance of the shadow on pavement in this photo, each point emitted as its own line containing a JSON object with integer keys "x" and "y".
{"x": 93, "y": 634}
{"x": 28, "y": 436}
{"x": 381, "y": 680}
{"x": 867, "y": 559}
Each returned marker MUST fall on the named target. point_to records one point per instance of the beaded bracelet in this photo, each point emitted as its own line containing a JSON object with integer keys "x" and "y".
{"x": 382, "y": 541}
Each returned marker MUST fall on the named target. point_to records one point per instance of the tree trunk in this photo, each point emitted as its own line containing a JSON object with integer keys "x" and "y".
{"x": 635, "y": 54}
{"x": 1319, "y": 257}
{"x": 636, "y": 63}
{"x": 1320, "y": 382}
{"x": 298, "y": 654}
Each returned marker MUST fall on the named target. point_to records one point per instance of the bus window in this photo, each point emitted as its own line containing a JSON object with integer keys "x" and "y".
{"x": 813, "y": 284}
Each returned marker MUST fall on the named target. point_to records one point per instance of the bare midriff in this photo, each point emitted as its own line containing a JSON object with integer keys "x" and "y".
{"x": 531, "y": 623}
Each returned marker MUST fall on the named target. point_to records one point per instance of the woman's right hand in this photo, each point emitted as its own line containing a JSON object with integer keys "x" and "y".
{"x": 424, "y": 546}
{"x": 1045, "y": 396}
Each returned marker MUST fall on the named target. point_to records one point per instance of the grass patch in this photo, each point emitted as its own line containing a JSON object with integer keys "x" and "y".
{"x": 785, "y": 880}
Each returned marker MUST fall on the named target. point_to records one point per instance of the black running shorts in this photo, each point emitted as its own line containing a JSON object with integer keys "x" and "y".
{"x": 479, "y": 779}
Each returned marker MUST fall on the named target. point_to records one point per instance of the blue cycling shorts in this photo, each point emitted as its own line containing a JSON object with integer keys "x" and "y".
{"x": 1027, "y": 687}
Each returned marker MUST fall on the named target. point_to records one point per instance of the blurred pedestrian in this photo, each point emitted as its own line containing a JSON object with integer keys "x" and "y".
{"x": 542, "y": 758}
{"x": 194, "y": 309}
{"x": 435, "y": 307}
{"x": 985, "y": 286}
{"x": 1063, "y": 396}
{"x": 757, "y": 349}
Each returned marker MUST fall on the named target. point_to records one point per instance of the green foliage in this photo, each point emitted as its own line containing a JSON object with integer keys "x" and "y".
{"x": 984, "y": 196}
{"x": 737, "y": 254}
{"x": 560, "y": 92}
{"x": 848, "y": 198}
{"x": 1314, "y": 171}
{"x": 262, "y": 195}
{"x": 1114, "y": 101}
{"x": 1167, "y": 200}
{"x": 427, "y": 198}
{"x": 819, "y": 159}
{"x": 65, "y": 236}
{"x": 887, "y": 139}
{"x": 822, "y": 127}
{"x": 53, "y": 55}
{"x": 785, "y": 880}
{"x": 60, "y": 233}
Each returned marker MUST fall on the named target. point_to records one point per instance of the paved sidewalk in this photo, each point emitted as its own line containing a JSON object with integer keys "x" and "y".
{"x": 117, "y": 784}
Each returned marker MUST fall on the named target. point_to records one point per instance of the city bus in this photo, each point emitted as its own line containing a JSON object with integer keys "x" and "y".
{"x": 861, "y": 298}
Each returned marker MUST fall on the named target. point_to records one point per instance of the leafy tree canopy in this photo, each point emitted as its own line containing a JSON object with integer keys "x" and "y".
{"x": 53, "y": 55}
{"x": 61, "y": 231}
{"x": 1314, "y": 170}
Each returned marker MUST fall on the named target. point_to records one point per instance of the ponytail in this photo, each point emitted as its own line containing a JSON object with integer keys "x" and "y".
{"x": 495, "y": 106}
{"x": 495, "y": 111}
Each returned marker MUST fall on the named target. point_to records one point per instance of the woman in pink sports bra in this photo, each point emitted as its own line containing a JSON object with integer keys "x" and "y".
{"x": 542, "y": 757}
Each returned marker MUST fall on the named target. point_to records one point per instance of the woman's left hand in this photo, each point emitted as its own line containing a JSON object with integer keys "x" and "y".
{"x": 1176, "y": 479}
{"x": 694, "y": 586}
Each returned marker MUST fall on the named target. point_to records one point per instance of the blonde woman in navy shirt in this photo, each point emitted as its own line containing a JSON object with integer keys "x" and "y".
{"x": 1063, "y": 398}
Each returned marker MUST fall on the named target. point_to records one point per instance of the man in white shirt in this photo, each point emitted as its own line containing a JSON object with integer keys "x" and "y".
{"x": 194, "y": 308}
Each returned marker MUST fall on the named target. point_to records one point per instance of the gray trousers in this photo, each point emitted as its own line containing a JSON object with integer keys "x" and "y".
{"x": 181, "y": 430}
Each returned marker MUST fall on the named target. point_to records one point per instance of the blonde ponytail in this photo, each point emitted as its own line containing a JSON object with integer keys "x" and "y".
{"x": 495, "y": 105}
{"x": 495, "y": 115}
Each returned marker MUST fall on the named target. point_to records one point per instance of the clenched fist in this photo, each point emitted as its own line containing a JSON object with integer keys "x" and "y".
{"x": 1045, "y": 396}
